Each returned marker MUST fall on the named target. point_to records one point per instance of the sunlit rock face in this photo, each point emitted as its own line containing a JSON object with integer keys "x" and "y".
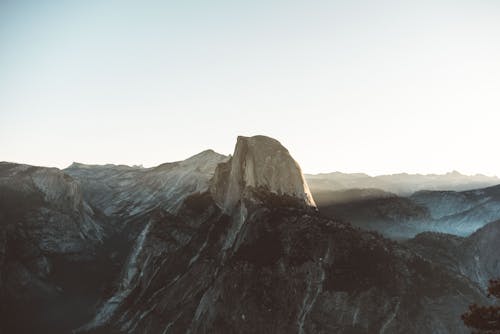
{"x": 259, "y": 163}
{"x": 124, "y": 191}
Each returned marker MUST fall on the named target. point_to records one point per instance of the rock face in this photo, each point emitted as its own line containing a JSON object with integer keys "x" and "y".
{"x": 49, "y": 237}
{"x": 259, "y": 163}
{"x": 126, "y": 191}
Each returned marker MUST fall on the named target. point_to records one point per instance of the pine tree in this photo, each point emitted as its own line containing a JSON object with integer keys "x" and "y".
{"x": 485, "y": 319}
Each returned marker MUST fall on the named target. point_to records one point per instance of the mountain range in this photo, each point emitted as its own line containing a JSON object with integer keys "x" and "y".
{"x": 399, "y": 217}
{"x": 402, "y": 184}
{"x": 239, "y": 244}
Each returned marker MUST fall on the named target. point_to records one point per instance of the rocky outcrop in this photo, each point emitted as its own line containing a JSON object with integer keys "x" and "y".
{"x": 259, "y": 163}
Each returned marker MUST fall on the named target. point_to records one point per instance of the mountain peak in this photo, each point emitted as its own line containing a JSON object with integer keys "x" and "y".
{"x": 259, "y": 162}
{"x": 207, "y": 155}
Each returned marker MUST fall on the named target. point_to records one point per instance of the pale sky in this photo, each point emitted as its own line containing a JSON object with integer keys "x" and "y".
{"x": 355, "y": 86}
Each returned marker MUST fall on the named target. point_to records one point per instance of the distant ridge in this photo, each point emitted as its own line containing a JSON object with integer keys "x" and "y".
{"x": 403, "y": 184}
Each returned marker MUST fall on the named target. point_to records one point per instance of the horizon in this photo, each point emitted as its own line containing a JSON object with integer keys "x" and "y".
{"x": 140, "y": 165}
{"x": 378, "y": 88}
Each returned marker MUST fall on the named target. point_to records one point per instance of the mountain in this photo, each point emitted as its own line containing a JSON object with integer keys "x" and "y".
{"x": 123, "y": 190}
{"x": 66, "y": 234}
{"x": 229, "y": 244}
{"x": 253, "y": 255}
{"x": 49, "y": 240}
{"x": 401, "y": 184}
{"x": 397, "y": 217}
{"x": 461, "y": 213}
{"x": 476, "y": 256}
{"x": 47, "y": 203}
{"x": 393, "y": 216}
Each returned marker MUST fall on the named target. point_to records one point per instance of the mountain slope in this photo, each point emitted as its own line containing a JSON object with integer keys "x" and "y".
{"x": 458, "y": 213}
{"x": 477, "y": 256}
{"x": 47, "y": 231}
{"x": 461, "y": 213}
{"x": 125, "y": 191}
{"x": 376, "y": 210}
